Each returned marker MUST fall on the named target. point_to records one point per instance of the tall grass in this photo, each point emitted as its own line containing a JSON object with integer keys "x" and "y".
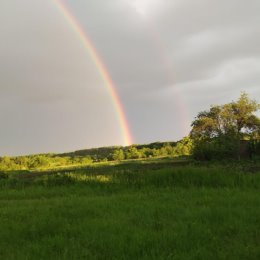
{"x": 128, "y": 176}
{"x": 131, "y": 212}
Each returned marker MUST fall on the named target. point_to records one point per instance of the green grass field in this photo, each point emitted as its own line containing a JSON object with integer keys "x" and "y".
{"x": 157, "y": 209}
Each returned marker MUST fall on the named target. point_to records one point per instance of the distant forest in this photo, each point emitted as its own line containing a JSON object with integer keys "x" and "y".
{"x": 103, "y": 154}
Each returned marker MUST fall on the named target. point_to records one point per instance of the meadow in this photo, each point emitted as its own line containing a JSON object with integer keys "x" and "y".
{"x": 139, "y": 209}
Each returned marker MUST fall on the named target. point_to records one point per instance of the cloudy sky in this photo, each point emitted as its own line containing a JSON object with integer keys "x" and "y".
{"x": 169, "y": 60}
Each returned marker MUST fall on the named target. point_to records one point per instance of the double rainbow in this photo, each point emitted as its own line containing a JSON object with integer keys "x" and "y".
{"x": 108, "y": 82}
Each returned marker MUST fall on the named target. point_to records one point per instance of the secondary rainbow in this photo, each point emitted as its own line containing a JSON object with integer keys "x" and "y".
{"x": 82, "y": 35}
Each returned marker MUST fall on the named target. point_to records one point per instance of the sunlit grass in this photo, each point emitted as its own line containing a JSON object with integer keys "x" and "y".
{"x": 88, "y": 178}
{"x": 133, "y": 210}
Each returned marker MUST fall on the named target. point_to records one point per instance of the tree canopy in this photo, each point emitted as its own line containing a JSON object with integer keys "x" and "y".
{"x": 235, "y": 119}
{"x": 223, "y": 127}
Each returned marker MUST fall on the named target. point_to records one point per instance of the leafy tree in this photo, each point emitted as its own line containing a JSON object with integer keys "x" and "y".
{"x": 155, "y": 152}
{"x": 219, "y": 131}
{"x": 166, "y": 150}
{"x": 118, "y": 155}
{"x": 6, "y": 163}
{"x": 22, "y": 161}
{"x": 133, "y": 153}
{"x": 235, "y": 118}
{"x": 86, "y": 160}
{"x": 183, "y": 147}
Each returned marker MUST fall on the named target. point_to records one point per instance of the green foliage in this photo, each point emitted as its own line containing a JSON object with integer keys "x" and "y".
{"x": 235, "y": 119}
{"x": 118, "y": 155}
{"x": 217, "y": 148}
{"x": 255, "y": 148}
{"x": 218, "y": 132}
{"x": 183, "y": 147}
{"x": 133, "y": 153}
{"x": 103, "y": 154}
{"x": 40, "y": 162}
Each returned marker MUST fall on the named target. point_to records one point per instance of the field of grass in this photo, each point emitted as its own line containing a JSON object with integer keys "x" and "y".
{"x": 155, "y": 209}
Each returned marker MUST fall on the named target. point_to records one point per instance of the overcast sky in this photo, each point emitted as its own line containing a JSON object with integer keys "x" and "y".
{"x": 169, "y": 60}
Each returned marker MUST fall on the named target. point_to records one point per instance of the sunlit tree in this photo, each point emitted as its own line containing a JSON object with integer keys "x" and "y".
{"x": 118, "y": 155}
{"x": 221, "y": 128}
{"x": 235, "y": 119}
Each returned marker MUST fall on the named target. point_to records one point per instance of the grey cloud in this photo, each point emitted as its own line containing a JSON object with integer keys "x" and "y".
{"x": 195, "y": 37}
{"x": 167, "y": 66}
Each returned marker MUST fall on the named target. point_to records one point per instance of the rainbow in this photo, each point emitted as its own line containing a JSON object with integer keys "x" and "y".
{"x": 75, "y": 25}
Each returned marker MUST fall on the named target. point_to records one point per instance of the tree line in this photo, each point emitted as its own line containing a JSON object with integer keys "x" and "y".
{"x": 103, "y": 154}
{"x": 228, "y": 131}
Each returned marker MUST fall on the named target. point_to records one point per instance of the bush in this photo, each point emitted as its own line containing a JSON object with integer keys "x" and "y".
{"x": 217, "y": 148}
